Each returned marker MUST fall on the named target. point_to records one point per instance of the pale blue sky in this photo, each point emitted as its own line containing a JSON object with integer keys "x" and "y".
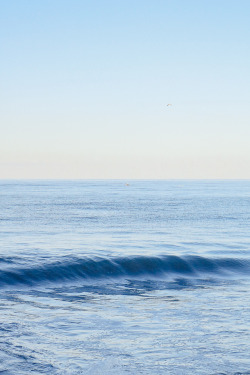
{"x": 85, "y": 83}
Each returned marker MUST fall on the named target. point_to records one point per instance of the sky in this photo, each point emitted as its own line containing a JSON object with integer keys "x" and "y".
{"x": 84, "y": 88}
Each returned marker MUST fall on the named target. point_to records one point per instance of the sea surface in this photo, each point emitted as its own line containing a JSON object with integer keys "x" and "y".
{"x": 125, "y": 277}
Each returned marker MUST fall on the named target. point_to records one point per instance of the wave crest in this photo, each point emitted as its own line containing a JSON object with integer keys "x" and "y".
{"x": 126, "y": 267}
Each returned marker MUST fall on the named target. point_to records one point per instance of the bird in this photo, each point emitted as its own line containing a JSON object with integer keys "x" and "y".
{"x": 168, "y": 105}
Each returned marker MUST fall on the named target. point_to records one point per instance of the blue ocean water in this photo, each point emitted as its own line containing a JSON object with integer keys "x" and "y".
{"x": 111, "y": 277}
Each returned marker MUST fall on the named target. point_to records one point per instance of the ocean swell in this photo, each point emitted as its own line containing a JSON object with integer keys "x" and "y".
{"x": 126, "y": 267}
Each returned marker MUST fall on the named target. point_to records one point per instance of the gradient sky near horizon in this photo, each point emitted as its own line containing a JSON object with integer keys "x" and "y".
{"x": 85, "y": 86}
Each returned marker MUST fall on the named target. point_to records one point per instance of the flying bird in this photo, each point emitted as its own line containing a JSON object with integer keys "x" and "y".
{"x": 168, "y": 105}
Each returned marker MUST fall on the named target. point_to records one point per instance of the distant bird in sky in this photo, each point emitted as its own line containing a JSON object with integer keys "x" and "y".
{"x": 168, "y": 105}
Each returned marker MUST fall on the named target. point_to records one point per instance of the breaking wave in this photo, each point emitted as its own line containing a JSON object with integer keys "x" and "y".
{"x": 125, "y": 267}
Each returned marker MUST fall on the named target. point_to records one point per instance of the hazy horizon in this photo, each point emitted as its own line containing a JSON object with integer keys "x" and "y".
{"x": 85, "y": 87}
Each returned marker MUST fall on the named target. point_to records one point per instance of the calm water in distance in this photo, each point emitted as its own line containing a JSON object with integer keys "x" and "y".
{"x": 125, "y": 277}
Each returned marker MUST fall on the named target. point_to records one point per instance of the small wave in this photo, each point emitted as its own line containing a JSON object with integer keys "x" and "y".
{"x": 126, "y": 267}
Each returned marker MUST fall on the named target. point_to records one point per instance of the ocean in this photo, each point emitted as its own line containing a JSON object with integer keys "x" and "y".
{"x": 125, "y": 277}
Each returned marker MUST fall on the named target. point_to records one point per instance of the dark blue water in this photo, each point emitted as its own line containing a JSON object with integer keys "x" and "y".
{"x": 118, "y": 277}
